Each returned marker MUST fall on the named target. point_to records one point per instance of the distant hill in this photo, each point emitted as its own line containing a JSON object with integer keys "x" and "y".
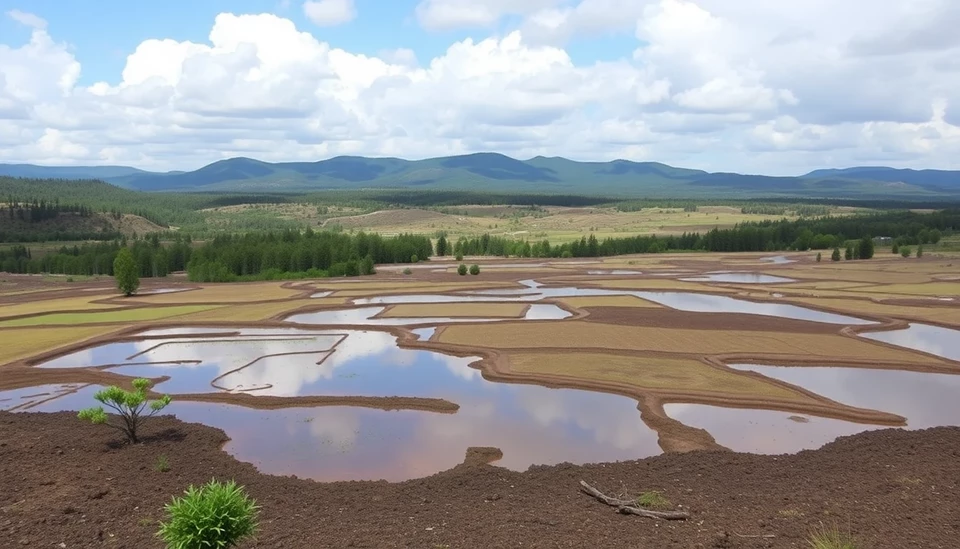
{"x": 494, "y": 172}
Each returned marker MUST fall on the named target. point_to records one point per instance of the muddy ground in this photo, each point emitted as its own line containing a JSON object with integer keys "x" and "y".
{"x": 68, "y": 484}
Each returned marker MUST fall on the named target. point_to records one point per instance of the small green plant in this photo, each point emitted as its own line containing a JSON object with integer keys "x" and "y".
{"x": 819, "y": 257}
{"x": 214, "y": 516}
{"x": 414, "y": 259}
{"x": 459, "y": 257}
{"x": 919, "y": 251}
{"x": 905, "y": 251}
{"x": 474, "y": 269}
{"x": 129, "y": 406}
{"x": 462, "y": 270}
{"x": 407, "y": 271}
{"x": 830, "y": 538}
{"x": 162, "y": 465}
{"x": 836, "y": 255}
{"x": 652, "y": 500}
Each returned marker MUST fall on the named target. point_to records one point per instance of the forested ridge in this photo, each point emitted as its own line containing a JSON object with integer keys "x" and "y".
{"x": 296, "y": 254}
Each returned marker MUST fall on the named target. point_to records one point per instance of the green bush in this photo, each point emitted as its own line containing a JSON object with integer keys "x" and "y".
{"x": 830, "y": 538}
{"x": 459, "y": 257}
{"x": 819, "y": 257}
{"x": 462, "y": 269}
{"x": 407, "y": 271}
{"x": 215, "y": 516}
{"x": 129, "y": 406}
{"x": 919, "y": 251}
{"x": 836, "y": 255}
{"x": 905, "y": 251}
{"x": 414, "y": 259}
{"x": 474, "y": 269}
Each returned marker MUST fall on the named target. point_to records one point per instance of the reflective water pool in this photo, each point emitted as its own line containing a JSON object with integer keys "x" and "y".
{"x": 943, "y": 342}
{"x": 529, "y": 423}
{"x": 926, "y": 400}
{"x": 365, "y": 316}
{"x": 763, "y": 431}
{"x": 739, "y": 278}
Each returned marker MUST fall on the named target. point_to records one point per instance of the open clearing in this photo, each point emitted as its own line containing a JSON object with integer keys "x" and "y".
{"x": 603, "y": 381}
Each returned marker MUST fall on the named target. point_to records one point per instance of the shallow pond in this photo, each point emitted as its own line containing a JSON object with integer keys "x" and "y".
{"x": 924, "y": 399}
{"x": 778, "y": 260}
{"x": 28, "y": 397}
{"x": 943, "y": 342}
{"x": 763, "y": 431}
{"x": 365, "y": 316}
{"x": 529, "y": 423}
{"x": 739, "y": 278}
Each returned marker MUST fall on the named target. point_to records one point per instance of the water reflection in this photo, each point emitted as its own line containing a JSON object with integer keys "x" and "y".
{"x": 943, "y": 342}
{"x": 366, "y": 316}
{"x": 29, "y": 397}
{"x": 926, "y": 400}
{"x": 683, "y": 301}
{"x": 778, "y": 260}
{"x": 739, "y": 278}
{"x": 531, "y": 424}
{"x": 763, "y": 431}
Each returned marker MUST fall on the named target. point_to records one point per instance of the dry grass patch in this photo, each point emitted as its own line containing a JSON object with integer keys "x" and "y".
{"x": 610, "y": 301}
{"x": 256, "y": 311}
{"x": 120, "y": 315}
{"x": 867, "y": 273}
{"x": 671, "y": 374}
{"x": 592, "y": 335}
{"x": 933, "y": 288}
{"x": 456, "y": 310}
{"x": 820, "y": 284}
{"x": 948, "y": 315}
{"x": 50, "y": 305}
{"x": 224, "y": 293}
{"x": 25, "y": 342}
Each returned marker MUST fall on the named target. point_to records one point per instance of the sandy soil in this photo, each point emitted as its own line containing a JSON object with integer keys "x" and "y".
{"x": 890, "y": 489}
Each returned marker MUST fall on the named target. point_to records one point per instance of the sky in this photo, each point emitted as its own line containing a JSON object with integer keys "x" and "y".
{"x": 752, "y": 86}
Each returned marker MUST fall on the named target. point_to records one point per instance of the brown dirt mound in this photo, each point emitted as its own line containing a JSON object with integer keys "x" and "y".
{"x": 62, "y": 484}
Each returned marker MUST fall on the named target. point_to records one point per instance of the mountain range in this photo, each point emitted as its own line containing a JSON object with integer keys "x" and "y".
{"x": 494, "y": 172}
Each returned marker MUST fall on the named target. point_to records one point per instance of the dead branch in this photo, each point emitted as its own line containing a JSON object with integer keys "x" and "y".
{"x": 630, "y": 507}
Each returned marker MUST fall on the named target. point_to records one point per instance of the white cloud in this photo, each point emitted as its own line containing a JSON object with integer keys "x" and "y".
{"x": 714, "y": 84}
{"x": 329, "y": 13}
{"x": 28, "y": 19}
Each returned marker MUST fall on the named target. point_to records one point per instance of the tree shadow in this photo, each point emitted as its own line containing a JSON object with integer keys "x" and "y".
{"x": 170, "y": 434}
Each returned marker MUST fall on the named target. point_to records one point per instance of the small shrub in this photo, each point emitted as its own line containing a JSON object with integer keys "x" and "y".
{"x": 652, "y": 500}
{"x": 69, "y": 279}
{"x": 215, "y": 516}
{"x": 459, "y": 257}
{"x": 836, "y": 255}
{"x": 895, "y": 249}
{"x": 905, "y": 251}
{"x": 474, "y": 269}
{"x": 830, "y": 538}
{"x": 919, "y": 251}
{"x": 819, "y": 257}
{"x": 129, "y": 405}
{"x": 407, "y": 271}
{"x": 462, "y": 269}
{"x": 162, "y": 465}
{"x": 414, "y": 259}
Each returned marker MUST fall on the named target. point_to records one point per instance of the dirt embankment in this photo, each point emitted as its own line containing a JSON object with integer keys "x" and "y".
{"x": 65, "y": 483}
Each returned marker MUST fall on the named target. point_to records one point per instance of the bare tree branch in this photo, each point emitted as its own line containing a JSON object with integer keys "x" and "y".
{"x": 630, "y": 507}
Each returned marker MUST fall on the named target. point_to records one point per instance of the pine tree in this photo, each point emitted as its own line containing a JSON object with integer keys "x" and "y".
{"x": 125, "y": 271}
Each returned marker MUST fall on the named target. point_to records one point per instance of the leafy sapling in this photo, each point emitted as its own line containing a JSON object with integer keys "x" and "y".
{"x": 216, "y": 515}
{"x": 131, "y": 407}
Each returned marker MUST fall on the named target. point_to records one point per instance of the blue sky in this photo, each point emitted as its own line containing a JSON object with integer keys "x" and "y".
{"x": 726, "y": 85}
{"x": 104, "y": 32}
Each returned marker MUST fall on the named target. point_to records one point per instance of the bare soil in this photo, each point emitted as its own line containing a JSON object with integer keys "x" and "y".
{"x": 68, "y": 484}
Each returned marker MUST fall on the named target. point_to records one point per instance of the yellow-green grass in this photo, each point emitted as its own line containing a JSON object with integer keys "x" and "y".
{"x": 118, "y": 316}
{"x": 256, "y": 311}
{"x": 646, "y": 372}
{"x": 342, "y": 288}
{"x": 609, "y": 301}
{"x": 581, "y": 334}
{"x": 456, "y": 310}
{"x": 874, "y": 275}
{"x": 820, "y": 284}
{"x": 930, "y": 289}
{"x": 25, "y": 342}
{"x": 224, "y": 293}
{"x": 49, "y": 305}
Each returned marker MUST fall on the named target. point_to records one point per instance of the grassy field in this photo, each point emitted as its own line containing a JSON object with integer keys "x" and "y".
{"x": 591, "y": 335}
{"x": 610, "y": 301}
{"x": 49, "y": 305}
{"x": 648, "y": 372}
{"x": 122, "y": 315}
{"x": 232, "y": 293}
{"x": 25, "y": 342}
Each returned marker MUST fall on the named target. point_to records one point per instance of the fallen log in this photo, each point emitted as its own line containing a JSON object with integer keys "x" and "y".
{"x": 630, "y": 507}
